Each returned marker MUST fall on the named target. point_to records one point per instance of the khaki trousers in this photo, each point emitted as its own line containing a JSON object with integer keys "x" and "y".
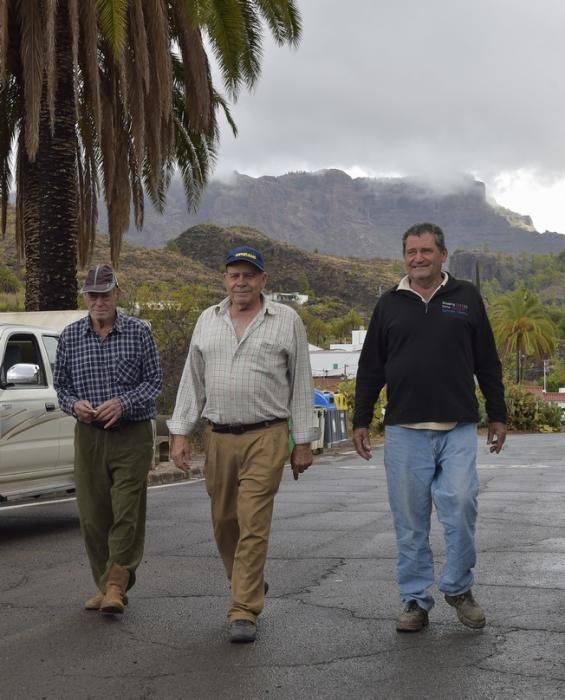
{"x": 243, "y": 474}
{"x": 111, "y": 486}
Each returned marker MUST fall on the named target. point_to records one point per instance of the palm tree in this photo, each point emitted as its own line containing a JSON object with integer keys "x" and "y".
{"x": 521, "y": 325}
{"x": 113, "y": 95}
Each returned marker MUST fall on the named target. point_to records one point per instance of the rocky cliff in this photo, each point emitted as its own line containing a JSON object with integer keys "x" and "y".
{"x": 335, "y": 214}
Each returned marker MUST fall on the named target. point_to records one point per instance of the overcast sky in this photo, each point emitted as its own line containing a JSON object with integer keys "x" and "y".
{"x": 416, "y": 87}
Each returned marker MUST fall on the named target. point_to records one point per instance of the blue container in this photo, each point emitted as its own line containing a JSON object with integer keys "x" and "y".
{"x": 321, "y": 399}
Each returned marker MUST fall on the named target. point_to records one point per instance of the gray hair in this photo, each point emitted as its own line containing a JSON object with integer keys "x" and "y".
{"x": 420, "y": 230}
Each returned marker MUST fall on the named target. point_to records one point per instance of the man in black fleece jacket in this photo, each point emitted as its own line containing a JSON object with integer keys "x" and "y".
{"x": 429, "y": 338}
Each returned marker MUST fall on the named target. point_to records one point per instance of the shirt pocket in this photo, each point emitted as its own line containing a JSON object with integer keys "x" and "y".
{"x": 127, "y": 369}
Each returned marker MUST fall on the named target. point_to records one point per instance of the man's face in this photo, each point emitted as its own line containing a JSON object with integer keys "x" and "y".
{"x": 244, "y": 284}
{"x": 102, "y": 306}
{"x": 423, "y": 259}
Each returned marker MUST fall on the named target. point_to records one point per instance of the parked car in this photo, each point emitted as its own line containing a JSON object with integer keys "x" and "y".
{"x": 36, "y": 437}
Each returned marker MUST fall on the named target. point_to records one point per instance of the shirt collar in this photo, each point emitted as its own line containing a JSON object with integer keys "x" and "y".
{"x": 404, "y": 284}
{"x": 268, "y": 306}
{"x": 118, "y": 324}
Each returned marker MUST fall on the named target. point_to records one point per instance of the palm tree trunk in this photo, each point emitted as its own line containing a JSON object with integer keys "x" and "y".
{"x": 50, "y": 198}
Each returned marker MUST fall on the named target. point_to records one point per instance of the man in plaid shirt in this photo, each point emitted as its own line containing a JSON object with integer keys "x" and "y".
{"x": 108, "y": 376}
{"x": 247, "y": 372}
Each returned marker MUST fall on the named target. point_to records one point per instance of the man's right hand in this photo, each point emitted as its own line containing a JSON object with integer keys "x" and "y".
{"x": 181, "y": 453}
{"x": 84, "y": 411}
{"x": 362, "y": 443}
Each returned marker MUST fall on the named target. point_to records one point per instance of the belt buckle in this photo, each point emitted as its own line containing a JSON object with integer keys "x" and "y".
{"x": 237, "y": 429}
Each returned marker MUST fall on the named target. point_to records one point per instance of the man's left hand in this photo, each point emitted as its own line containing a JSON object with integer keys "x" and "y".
{"x": 496, "y": 436}
{"x": 301, "y": 458}
{"x": 109, "y": 412}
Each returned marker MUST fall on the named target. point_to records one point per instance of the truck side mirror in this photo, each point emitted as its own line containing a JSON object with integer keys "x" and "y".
{"x": 23, "y": 374}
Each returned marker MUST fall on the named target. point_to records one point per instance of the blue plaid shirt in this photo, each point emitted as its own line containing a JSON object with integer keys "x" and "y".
{"x": 124, "y": 365}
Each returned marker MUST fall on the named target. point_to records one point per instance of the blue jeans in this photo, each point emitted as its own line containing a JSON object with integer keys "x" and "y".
{"x": 425, "y": 466}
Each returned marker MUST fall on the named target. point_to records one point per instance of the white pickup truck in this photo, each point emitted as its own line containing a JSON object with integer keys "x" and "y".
{"x": 36, "y": 437}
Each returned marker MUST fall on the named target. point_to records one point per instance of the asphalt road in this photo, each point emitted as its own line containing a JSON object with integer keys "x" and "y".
{"x": 328, "y": 628}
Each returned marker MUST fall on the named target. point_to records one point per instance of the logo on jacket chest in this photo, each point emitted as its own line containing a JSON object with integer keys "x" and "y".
{"x": 454, "y": 308}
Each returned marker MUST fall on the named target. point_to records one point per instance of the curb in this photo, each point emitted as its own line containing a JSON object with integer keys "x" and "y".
{"x": 167, "y": 473}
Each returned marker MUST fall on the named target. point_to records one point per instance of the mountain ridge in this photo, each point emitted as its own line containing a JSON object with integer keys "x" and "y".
{"x": 333, "y": 213}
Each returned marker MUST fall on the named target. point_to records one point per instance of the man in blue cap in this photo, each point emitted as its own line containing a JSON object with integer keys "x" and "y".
{"x": 247, "y": 372}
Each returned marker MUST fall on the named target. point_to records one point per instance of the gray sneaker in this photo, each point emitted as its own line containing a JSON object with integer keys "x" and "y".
{"x": 468, "y": 610}
{"x": 413, "y": 618}
{"x": 243, "y": 631}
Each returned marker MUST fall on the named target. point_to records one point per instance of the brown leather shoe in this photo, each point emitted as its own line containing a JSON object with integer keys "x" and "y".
{"x": 95, "y": 602}
{"x": 116, "y": 586}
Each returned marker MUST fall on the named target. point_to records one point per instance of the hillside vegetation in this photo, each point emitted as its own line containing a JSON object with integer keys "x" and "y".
{"x": 352, "y": 282}
{"x": 196, "y": 258}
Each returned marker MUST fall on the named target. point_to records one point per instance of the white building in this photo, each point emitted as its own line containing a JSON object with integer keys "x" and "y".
{"x": 357, "y": 340}
{"x": 287, "y": 297}
{"x": 334, "y": 363}
{"x": 341, "y": 360}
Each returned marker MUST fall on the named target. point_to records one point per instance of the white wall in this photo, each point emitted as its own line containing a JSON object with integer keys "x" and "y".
{"x": 334, "y": 363}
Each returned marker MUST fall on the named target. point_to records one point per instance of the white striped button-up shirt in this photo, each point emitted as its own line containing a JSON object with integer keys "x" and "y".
{"x": 263, "y": 376}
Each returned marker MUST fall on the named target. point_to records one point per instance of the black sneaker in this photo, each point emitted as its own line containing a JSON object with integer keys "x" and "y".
{"x": 243, "y": 631}
{"x": 468, "y": 610}
{"x": 413, "y": 618}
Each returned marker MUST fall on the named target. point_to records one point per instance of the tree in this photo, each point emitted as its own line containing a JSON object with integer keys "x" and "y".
{"x": 113, "y": 95}
{"x": 317, "y": 329}
{"x": 522, "y": 326}
{"x": 172, "y": 312}
{"x": 343, "y": 327}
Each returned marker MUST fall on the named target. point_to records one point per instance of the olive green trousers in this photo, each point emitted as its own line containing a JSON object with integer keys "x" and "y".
{"x": 243, "y": 474}
{"x": 111, "y": 487}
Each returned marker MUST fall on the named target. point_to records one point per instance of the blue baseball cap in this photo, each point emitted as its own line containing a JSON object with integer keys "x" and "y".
{"x": 245, "y": 253}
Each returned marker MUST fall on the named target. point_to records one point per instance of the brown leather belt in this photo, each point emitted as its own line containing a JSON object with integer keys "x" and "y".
{"x": 238, "y": 429}
{"x": 116, "y": 426}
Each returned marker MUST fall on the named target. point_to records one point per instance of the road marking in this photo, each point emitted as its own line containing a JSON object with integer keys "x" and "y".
{"x": 48, "y": 502}
{"x": 358, "y": 466}
{"x": 176, "y": 483}
{"x": 516, "y": 466}
{"x": 479, "y": 466}
{"x": 38, "y": 503}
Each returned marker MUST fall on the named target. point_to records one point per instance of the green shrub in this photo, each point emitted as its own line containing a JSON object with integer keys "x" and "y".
{"x": 376, "y": 428}
{"x": 9, "y": 283}
{"x": 527, "y": 412}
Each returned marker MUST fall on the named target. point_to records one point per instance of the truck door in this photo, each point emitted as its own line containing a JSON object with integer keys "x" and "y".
{"x": 29, "y": 430}
{"x": 66, "y": 423}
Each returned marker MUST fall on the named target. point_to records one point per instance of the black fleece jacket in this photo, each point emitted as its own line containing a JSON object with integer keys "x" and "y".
{"x": 427, "y": 354}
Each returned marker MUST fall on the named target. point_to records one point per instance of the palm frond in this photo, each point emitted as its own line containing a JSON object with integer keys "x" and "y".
{"x": 4, "y": 15}
{"x": 223, "y": 23}
{"x": 50, "y": 15}
{"x": 32, "y": 58}
{"x": 9, "y": 126}
{"x": 197, "y": 78}
{"x": 283, "y": 19}
{"x": 112, "y": 16}
{"x": 88, "y": 60}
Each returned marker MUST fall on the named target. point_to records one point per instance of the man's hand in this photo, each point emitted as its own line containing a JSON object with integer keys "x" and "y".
{"x": 362, "y": 443}
{"x": 301, "y": 458}
{"x": 109, "y": 412}
{"x": 84, "y": 411}
{"x": 181, "y": 453}
{"x": 496, "y": 436}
